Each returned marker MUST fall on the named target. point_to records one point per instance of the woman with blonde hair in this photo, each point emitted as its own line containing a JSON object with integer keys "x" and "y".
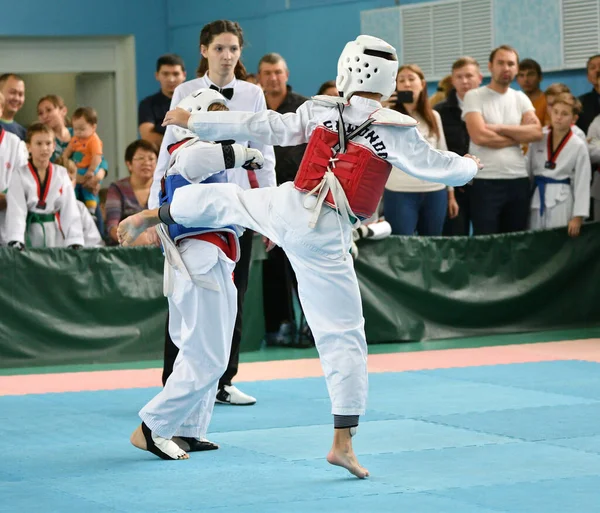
{"x": 411, "y": 205}
{"x": 52, "y": 112}
{"x": 443, "y": 88}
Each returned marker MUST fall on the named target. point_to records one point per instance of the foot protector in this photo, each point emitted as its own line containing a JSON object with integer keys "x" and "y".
{"x": 161, "y": 447}
{"x": 196, "y": 445}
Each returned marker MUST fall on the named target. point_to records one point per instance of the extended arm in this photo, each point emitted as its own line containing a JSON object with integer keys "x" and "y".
{"x": 413, "y": 155}
{"x": 266, "y": 127}
{"x": 201, "y": 160}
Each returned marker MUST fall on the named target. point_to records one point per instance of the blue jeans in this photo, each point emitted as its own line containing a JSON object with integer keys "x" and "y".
{"x": 423, "y": 212}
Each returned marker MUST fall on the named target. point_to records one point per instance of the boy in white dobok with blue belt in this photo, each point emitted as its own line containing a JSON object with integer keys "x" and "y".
{"x": 352, "y": 144}
{"x": 199, "y": 263}
{"x": 560, "y": 167}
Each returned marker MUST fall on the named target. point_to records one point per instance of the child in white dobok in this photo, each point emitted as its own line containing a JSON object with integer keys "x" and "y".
{"x": 13, "y": 155}
{"x": 199, "y": 262}
{"x": 352, "y": 144}
{"x": 41, "y": 207}
{"x": 560, "y": 167}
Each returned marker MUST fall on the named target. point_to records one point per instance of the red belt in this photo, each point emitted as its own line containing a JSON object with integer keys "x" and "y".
{"x": 227, "y": 246}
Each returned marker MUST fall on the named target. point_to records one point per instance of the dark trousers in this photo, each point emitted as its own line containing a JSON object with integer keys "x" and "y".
{"x": 461, "y": 224}
{"x": 500, "y": 206}
{"x": 240, "y": 278}
{"x": 279, "y": 282}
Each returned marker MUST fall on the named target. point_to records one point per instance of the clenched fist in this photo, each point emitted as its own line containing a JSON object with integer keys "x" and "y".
{"x": 254, "y": 159}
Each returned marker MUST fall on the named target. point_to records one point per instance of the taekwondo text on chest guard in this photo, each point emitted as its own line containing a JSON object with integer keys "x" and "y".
{"x": 367, "y": 133}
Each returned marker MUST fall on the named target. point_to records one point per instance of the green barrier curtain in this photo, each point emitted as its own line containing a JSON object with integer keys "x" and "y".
{"x": 432, "y": 288}
{"x": 95, "y": 305}
{"x": 106, "y": 305}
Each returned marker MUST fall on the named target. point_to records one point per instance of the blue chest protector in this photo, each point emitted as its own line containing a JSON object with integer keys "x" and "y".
{"x": 170, "y": 184}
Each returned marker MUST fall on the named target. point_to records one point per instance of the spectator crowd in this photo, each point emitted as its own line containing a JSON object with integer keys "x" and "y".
{"x": 540, "y": 150}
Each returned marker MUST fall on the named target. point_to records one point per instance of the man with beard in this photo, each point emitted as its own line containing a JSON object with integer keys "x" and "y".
{"x": 499, "y": 119}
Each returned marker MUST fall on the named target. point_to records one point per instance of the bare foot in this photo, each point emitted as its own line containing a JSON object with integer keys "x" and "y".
{"x": 342, "y": 454}
{"x": 162, "y": 447}
{"x": 132, "y": 227}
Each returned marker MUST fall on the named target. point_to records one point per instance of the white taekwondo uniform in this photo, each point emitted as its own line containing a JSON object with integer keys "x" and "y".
{"x": 202, "y": 306}
{"x": 568, "y": 163}
{"x": 327, "y": 284}
{"x": 42, "y": 213}
{"x": 13, "y": 154}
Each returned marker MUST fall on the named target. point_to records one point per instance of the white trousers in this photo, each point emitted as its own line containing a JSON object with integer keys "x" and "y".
{"x": 201, "y": 325}
{"x": 45, "y": 235}
{"x": 554, "y": 217}
{"x": 327, "y": 284}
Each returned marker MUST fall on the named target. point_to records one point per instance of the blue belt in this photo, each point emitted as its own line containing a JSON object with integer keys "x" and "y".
{"x": 540, "y": 182}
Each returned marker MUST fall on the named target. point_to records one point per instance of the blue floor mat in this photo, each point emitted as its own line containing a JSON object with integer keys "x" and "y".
{"x": 521, "y": 438}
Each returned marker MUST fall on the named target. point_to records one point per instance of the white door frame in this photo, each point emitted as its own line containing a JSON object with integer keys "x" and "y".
{"x": 80, "y": 55}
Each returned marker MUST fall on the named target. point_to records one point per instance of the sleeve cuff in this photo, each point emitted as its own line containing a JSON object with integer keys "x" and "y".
{"x": 164, "y": 214}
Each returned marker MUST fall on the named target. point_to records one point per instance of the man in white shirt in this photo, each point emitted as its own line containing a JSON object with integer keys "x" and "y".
{"x": 499, "y": 119}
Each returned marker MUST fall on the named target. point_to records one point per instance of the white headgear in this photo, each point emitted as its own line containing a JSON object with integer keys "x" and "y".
{"x": 199, "y": 100}
{"x": 360, "y": 70}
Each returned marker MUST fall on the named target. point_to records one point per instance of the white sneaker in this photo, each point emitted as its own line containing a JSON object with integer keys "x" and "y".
{"x": 229, "y": 394}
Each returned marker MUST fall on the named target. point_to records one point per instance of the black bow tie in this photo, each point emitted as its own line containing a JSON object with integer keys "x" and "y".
{"x": 227, "y": 92}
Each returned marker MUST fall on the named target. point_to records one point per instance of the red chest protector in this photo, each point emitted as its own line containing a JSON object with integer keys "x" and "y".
{"x": 360, "y": 172}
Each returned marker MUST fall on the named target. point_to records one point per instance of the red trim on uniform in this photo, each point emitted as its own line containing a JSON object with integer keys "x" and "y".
{"x": 228, "y": 247}
{"x": 253, "y": 180}
{"x": 57, "y": 217}
{"x": 42, "y": 195}
{"x": 174, "y": 146}
{"x": 553, "y": 156}
{"x": 1, "y": 134}
{"x": 36, "y": 177}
